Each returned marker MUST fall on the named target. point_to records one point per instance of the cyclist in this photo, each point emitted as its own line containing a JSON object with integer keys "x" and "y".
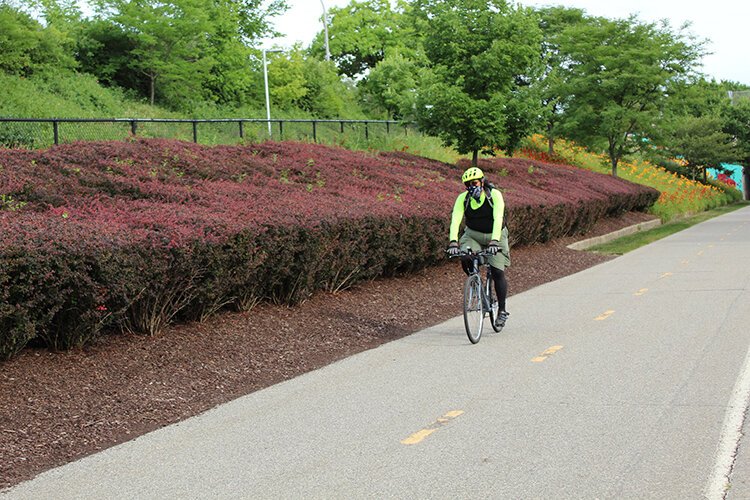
{"x": 483, "y": 208}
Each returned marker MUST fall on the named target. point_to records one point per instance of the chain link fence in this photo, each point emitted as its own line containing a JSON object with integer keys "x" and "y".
{"x": 44, "y": 132}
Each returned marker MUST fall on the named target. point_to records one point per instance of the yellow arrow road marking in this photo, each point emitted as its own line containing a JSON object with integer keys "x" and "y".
{"x": 604, "y": 315}
{"x": 546, "y": 354}
{"x": 419, "y": 436}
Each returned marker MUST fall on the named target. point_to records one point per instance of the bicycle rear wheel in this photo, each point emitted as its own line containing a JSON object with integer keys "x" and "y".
{"x": 489, "y": 292}
{"x": 473, "y": 311}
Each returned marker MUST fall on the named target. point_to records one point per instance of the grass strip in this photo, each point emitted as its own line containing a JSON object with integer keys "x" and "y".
{"x": 637, "y": 240}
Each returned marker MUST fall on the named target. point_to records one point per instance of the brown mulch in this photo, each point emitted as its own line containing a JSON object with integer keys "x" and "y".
{"x": 59, "y": 407}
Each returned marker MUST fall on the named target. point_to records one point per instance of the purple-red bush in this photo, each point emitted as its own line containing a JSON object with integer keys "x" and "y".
{"x": 138, "y": 234}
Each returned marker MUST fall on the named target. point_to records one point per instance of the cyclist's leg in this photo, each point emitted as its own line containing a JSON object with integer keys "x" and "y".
{"x": 498, "y": 264}
{"x": 501, "y": 286}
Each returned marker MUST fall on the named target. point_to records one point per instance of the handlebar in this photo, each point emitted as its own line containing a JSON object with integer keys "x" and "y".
{"x": 469, "y": 253}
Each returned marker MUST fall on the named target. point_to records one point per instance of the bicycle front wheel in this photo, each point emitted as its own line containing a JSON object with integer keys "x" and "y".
{"x": 473, "y": 311}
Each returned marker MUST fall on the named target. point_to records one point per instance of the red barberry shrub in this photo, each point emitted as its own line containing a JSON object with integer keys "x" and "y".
{"x": 136, "y": 235}
{"x": 546, "y": 200}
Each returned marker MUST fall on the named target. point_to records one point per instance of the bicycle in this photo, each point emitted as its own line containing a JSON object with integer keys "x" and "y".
{"x": 479, "y": 297}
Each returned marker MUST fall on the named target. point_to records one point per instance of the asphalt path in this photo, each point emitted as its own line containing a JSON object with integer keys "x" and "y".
{"x": 627, "y": 380}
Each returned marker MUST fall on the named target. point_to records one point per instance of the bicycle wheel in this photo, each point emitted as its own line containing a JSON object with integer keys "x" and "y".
{"x": 489, "y": 292}
{"x": 473, "y": 311}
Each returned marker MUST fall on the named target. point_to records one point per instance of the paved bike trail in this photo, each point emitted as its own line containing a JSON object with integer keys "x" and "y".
{"x": 627, "y": 380}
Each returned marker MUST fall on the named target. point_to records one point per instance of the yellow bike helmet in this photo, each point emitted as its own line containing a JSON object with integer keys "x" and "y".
{"x": 471, "y": 174}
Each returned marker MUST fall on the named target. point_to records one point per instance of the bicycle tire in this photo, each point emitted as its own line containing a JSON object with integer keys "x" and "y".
{"x": 473, "y": 309}
{"x": 494, "y": 306}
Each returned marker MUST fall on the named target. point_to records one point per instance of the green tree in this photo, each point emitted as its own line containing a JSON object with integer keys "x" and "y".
{"x": 179, "y": 51}
{"x": 482, "y": 55}
{"x": 236, "y": 27}
{"x": 286, "y": 78}
{"x": 58, "y": 12}
{"x": 692, "y": 127}
{"x": 27, "y": 47}
{"x": 553, "y": 21}
{"x": 700, "y": 141}
{"x": 308, "y": 84}
{"x": 737, "y": 124}
{"x": 328, "y": 96}
{"x": 360, "y": 34}
{"x": 170, "y": 41}
{"x": 391, "y": 86}
{"x": 616, "y": 79}
{"x": 104, "y": 50}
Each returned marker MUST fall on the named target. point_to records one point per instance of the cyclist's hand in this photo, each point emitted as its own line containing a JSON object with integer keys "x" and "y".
{"x": 493, "y": 248}
{"x": 453, "y": 249}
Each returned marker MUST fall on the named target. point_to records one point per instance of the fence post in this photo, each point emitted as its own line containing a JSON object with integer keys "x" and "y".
{"x": 342, "y": 126}
{"x": 242, "y": 132}
{"x": 387, "y": 128}
{"x": 134, "y": 127}
{"x": 55, "y": 131}
{"x": 281, "y": 130}
{"x": 367, "y": 132}
{"x": 315, "y": 134}
{"x": 195, "y": 131}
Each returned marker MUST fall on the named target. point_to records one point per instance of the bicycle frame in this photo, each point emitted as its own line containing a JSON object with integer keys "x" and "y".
{"x": 473, "y": 263}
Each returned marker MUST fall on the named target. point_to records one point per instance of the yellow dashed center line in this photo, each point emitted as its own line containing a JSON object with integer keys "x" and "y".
{"x": 546, "y": 354}
{"x": 665, "y": 275}
{"x": 641, "y": 291}
{"x": 700, "y": 253}
{"x": 419, "y": 436}
{"x": 604, "y": 315}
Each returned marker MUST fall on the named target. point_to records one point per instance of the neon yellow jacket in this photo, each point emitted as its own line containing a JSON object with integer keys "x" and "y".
{"x": 498, "y": 209}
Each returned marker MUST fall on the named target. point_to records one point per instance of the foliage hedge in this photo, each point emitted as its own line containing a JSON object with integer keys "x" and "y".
{"x": 137, "y": 235}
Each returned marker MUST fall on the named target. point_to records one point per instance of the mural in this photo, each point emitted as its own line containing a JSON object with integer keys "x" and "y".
{"x": 732, "y": 175}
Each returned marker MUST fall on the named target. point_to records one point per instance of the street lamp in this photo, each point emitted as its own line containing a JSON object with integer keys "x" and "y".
{"x": 265, "y": 81}
{"x": 325, "y": 29}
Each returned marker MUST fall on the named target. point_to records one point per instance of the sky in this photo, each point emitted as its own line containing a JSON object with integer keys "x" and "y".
{"x": 722, "y": 22}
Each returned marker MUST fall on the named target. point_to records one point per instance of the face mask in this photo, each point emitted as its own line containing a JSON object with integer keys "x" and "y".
{"x": 475, "y": 192}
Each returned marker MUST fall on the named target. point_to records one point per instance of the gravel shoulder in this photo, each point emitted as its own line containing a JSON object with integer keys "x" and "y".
{"x": 59, "y": 407}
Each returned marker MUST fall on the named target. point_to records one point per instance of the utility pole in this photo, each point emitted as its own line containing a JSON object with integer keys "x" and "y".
{"x": 265, "y": 81}
{"x": 325, "y": 29}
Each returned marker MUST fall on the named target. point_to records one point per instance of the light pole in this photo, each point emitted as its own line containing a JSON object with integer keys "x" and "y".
{"x": 265, "y": 81}
{"x": 325, "y": 29}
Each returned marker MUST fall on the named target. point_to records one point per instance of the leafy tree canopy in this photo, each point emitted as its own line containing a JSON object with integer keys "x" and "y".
{"x": 737, "y": 124}
{"x": 180, "y": 51}
{"x": 616, "y": 79}
{"x": 553, "y": 21}
{"x": 392, "y": 86}
{"x": 27, "y": 47}
{"x": 482, "y": 57}
{"x": 700, "y": 141}
{"x": 360, "y": 34}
